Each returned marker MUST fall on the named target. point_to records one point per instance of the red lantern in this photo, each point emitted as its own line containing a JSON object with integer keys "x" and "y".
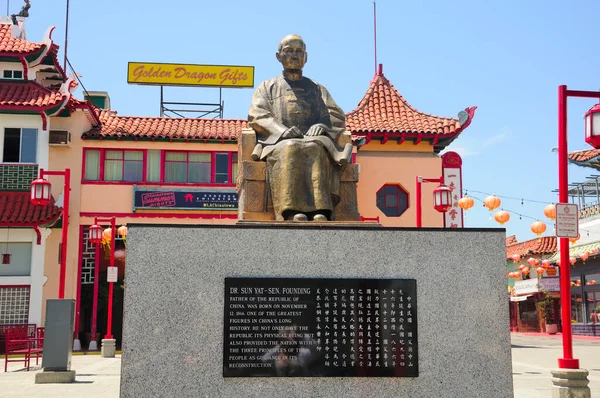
{"x": 107, "y": 235}
{"x": 465, "y": 203}
{"x": 502, "y": 217}
{"x": 40, "y": 192}
{"x": 6, "y": 258}
{"x": 595, "y": 250}
{"x": 592, "y": 126}
{"x": 122, "y": 231}
{"x": 492, "y": 202}
{"x": 545, "y": 264}
{"x": 95, "y": 234}
{"x": 538, "y": 228}
{"x": 516, "y": 258}
{"x": 558, "y": 263}
{"x": 531, "y": 261}
{"x": 120, "y": 254}
{"x": 550, "y": 211}
{"x": 573, "y": 240}
{"x": 539, "y": 270}
{"x": 442, "y": 198}
{"x": 572, "y": 260}
{"x": 522, "y": 267}
{"x": 584, "y": 256}
{"x": 525, "y": 271}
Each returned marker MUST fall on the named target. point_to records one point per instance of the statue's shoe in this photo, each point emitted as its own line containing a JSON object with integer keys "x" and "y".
{"x": 320, "y": 218}
{"x": 300, "y": 217}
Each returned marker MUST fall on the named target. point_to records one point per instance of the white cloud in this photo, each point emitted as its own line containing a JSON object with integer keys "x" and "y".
{"x": 494, "y": 140}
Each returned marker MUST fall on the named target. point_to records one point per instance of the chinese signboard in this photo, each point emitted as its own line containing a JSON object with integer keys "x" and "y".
{"x": 112, "y": 274}
{"x": 184, "y": 199}
{"x": 452, "y": 172}
{"x": 307, "y": 327}
{"x": 567, "y": 220}
{"x": 533, "y": 285}
{"x": 190, "y": 75}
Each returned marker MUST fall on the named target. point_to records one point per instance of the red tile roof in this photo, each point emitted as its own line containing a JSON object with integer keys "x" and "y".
{"x": 28, "y": 94}
{"x": 383, "y": 109}
{"x": 9, "y": 44}
{"x": 166, "y": 128}
{"x": 543, "y": 245}
{"x": 584, "y": 156}
{"x": 511, "y": 240}
{"x": 16, "y": 210}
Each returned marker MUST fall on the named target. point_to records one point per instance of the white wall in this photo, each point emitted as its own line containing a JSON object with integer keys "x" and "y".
{"x": 36, "y": 278}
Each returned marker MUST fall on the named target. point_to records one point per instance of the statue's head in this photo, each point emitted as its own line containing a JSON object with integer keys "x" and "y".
{"x": 292, "y": 52}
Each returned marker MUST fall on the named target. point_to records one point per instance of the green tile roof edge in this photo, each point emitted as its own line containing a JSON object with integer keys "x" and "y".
{"x": 576, "y": 250}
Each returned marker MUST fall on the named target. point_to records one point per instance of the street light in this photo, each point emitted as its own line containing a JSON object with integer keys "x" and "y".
{"x": 40, "y": 196}
{"x": 95, "y": 236}
{"x": 592, "y": 137}
{"x": 442, "y": 197}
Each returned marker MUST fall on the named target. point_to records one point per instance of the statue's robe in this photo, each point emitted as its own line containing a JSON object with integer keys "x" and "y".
{"x": 302, "y": 174}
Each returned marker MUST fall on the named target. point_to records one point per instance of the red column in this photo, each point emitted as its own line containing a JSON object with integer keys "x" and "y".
{"x": 95, "y": 298}
{"x": 418, "y": 202}
{"x": 65, "y": 235}
{"x": 565, "y": 273}
{"x": 110, "y": 284}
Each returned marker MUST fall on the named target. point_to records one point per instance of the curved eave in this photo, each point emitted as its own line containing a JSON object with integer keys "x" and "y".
{"x": 47, "y": 109}
{"x": 593, "y": 163}
{"x": 27, "y": 54}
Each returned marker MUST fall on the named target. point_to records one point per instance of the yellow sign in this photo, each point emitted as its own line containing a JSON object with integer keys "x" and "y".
{"x": 190, "y": 75}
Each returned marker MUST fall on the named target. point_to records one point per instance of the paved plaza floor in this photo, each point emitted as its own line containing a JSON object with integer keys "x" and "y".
{"x": 533, "y": 358}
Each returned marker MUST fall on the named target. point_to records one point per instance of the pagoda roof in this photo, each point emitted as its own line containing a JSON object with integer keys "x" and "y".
{"x": 28, "y": 94}
{"x": 577, "y": 250}
{"x": 384, "y": 114}
{"x": 31, "y": 54}
{"x": 543, "y": 245}
{"x": 137, "y": 127}
{"x": 16, "y": 210}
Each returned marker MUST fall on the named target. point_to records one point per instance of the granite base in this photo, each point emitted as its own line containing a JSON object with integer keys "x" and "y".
{"x": 174, "y": 297}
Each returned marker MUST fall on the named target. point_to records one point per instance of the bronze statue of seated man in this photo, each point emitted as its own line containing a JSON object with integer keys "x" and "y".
{"x": 297, "y": 124}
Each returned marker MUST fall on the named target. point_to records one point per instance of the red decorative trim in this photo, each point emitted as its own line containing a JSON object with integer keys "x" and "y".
{"x": 435, "y": 139}
{"x": 25, "y": 67}
{"x": 44, "y": 121}
{"x": 419, "y": 139}
{"x": 451, "y": 159}
{"x": 402, "y": 138}
{"x": 38, "y": 234}
{"x": 233, "y": 215}
{"x": 385, "y": 138}
{"x": 161, "y": 184}
{"x": 9, "y": 286}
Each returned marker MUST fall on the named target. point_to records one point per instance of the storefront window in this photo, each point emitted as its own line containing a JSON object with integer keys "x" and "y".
{"x": 576, "y": 308}
{"x": 592, "y": 295}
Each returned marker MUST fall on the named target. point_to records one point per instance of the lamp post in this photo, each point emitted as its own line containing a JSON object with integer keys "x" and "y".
{"x": 592, "y": 137}
{"x": 40, "y": 196}
{"x": 96, "y": 232}
{"x": 442, "y": 197}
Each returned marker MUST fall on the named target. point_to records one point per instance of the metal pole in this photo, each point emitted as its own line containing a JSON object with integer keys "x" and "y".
{"x": 375, "y": 34}
{"x": 162, "y": 109}
{"x": 418, "y": 202}
{"x": 110, "y": 284}
{"x": 567, "y": 362}
{"x": 66, "y": 35}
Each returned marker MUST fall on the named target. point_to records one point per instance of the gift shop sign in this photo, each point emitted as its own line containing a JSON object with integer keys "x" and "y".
{"x": 146, "y": 199}
{"x": 567, "y": 220}
{"x": 190, "y": 75}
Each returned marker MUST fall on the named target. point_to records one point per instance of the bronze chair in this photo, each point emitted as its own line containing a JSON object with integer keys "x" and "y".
{"x": 254, "y": 193}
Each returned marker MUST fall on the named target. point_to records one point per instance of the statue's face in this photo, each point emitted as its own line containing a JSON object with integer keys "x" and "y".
{"x": 292, "y": 54}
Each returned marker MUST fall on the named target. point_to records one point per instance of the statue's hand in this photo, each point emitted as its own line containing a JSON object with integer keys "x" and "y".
{"x": 292, "y": 132}
{"x": 316, "y": 129}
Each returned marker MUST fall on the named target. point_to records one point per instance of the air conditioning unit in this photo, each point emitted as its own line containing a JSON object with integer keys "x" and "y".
{"x": 59, "y": 137}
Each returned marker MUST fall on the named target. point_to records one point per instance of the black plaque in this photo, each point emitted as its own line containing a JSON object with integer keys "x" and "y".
{"x": 184, "y": 199}
{"x": 303, "y": 327}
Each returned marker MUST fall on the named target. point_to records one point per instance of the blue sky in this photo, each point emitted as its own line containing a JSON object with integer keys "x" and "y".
{"x": 507, "y": 58}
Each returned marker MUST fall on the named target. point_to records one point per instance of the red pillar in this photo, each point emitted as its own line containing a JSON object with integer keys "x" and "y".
{"x": 565, "y": 273}
{"x": 418, "y": 202}
{"x": 95, "y": 297}
{"x": 110, "y": 284}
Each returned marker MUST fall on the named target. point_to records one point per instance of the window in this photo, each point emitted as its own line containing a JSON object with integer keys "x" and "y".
{"x": 155, "y": 166}
{"x": 190, "y": 167}
{"x": 14, "y": 304}
{"x": 119, "y": 165}
{"x": 392, "y": 200}
{"x": 13, "y": 74}
{"x": 20, "y": 145}
{"x": 20, "y": 259}
{"x": 123, "y": 165}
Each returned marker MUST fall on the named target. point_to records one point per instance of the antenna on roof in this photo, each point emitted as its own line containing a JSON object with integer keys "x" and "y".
{"x": 375, "y": 33}
{"x": 7, "y": 7}
{"x": 66, "y": 37}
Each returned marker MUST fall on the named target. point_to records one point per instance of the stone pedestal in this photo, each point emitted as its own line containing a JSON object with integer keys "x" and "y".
{"x": 108, "y": 348}
{"x": 570, "y": 383}
{"x": 76, "y": 345}
{"x": 67, "y": 376}
{"x": 175, "y": 302}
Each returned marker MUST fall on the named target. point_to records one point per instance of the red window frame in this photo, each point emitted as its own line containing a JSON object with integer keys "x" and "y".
{"x": 161, "y": 181}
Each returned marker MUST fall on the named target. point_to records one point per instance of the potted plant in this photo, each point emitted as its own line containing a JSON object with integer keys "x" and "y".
{"x": 545, "y": 307}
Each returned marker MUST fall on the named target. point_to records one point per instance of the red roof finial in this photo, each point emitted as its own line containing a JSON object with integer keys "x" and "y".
{"x": 380, "y": 70}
